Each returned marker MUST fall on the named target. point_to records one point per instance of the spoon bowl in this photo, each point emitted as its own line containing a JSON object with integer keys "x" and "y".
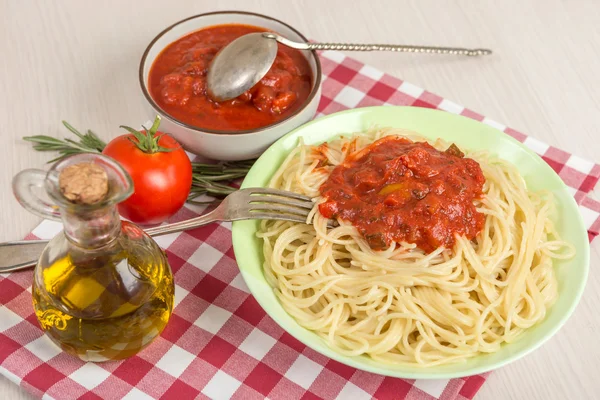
{"x": 239, "y": 66}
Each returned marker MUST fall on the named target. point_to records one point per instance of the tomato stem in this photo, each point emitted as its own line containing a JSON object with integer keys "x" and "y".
{"x": 147, "y": 140}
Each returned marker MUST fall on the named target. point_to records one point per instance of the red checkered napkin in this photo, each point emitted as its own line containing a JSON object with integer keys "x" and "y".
{"x": 219, "y": 343}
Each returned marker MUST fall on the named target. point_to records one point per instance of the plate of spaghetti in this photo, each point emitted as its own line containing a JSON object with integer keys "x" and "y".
{"x": 437, "y": 246}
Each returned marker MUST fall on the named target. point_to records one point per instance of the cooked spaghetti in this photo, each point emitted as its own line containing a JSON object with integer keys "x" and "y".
{"x": 392, "y": 299}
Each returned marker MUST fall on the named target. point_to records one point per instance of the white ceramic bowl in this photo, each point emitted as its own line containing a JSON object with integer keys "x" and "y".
{"x": 223, "y": 145}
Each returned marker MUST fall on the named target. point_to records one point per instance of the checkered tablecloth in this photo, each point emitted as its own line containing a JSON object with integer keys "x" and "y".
{"x": 219, "y": 343}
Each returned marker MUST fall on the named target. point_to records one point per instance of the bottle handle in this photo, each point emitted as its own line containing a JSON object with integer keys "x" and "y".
{"x": 23, "y": 184}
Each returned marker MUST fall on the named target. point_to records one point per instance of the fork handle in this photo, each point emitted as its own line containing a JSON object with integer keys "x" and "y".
{"x": 216, "y": 215}
{"x": 23, "y": 254}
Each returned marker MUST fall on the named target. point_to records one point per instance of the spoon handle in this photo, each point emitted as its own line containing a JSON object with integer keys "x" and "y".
{"x": 399, "y": 48}
{"x": 377, "y": 47}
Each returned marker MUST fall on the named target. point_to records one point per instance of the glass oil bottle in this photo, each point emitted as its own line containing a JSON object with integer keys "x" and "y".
{"x": 102, "y": 288}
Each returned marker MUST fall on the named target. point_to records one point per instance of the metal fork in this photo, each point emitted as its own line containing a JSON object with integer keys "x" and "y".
{"x": 251, "y": 203}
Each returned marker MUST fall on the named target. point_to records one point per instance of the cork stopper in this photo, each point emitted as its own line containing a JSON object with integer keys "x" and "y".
{"x": 83, "y": 183}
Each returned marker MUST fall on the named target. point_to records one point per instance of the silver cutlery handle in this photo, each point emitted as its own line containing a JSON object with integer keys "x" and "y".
{"x": 216, "y": 215}
{"x": 23, "y": 254}
{"x": 377, "y": 47}
{"x": 398, "y": 48}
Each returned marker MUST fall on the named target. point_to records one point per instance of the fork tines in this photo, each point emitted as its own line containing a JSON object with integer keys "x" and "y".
{"x": 276, "y": 204}
{"x": 279, "y": 204}
{"x": 280, "y": 193}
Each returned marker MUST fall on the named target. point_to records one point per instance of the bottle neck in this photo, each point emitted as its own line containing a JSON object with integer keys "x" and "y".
{"x": 93, "y": 229}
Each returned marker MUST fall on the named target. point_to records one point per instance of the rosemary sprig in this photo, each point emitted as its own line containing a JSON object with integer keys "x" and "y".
{"x": 207, "y": 179}
{"x": 89, "y": 142}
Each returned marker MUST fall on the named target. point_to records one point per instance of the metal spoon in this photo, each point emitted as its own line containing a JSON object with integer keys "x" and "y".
{"x": 244, "y": 62}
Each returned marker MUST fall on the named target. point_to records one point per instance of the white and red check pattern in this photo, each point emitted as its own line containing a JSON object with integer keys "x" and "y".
{"x": 219, "y": 343}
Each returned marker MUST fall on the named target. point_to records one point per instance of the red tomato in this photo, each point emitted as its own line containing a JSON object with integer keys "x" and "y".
{"x": 161, "y": 172}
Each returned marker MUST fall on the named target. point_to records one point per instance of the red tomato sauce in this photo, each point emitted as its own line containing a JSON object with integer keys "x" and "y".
{"x": 397, "y": 190}
{"x": 177, "y": 83}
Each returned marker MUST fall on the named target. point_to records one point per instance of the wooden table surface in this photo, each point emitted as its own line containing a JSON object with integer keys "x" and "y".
{"x": 78, "y": 60}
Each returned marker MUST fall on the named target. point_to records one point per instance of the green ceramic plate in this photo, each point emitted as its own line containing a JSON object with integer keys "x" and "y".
{"x": 468, "y": 134}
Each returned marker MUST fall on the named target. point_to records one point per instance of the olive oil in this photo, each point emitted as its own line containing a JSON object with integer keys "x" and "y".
{"x": 108, "y": 305}
{"x": 102, "y": 288}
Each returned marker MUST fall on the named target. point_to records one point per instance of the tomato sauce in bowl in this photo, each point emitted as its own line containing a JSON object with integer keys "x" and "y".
{"x": 177, "y": 83}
